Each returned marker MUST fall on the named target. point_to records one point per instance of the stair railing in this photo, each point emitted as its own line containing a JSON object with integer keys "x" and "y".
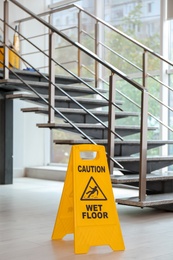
{"x": 51, "y": 106}
{"x": 53, "y": 85}
{"x": 113, "y": 71}
{"x": 98, "y": 78}
{"x": 30, "y": 88}
{"x": 105, "y": 64}
{"x": 146, "y": 50}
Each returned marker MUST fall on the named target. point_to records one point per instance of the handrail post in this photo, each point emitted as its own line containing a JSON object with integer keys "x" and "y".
{"x": 143, "y": 145}
{"x": 97, "y": 53}
{"x": 20, "y": 51}
{"x": 143, "y": 134}
{"x": 111, "y": 122}
{"x": 6, "y": 51}
{"x": 99, "y": 38}
{"x": 144, "y": 71}
{"x": 51, "y": 77}
{"x": 79, "y": 40}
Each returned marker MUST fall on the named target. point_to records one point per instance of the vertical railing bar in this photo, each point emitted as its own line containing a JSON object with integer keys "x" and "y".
{"x": 143, "y": 146}
{"x": 96, "y": 52}
{"x": 143, "y": 134}
{"x": 20, "y": 51}
{"x": 144, "y": 71}
{"x": 111, "y": 122}
{"x": 6, "y": 51}
{"x": 51, "y": 118}
{"x": 79, "y": 40}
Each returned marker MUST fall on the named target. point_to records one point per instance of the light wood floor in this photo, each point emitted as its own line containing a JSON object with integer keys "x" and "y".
{"x": 27, "y": 214}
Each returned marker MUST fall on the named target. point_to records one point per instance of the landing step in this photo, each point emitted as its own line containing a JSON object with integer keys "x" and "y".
{"x": 127, "y": 179}
{"x": 150, "y": 201}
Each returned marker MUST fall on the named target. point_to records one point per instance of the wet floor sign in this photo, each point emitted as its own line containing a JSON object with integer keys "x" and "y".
{"x": 87, "y": 207}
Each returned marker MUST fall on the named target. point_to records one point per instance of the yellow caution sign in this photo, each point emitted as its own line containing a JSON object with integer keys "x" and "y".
{"x": 87, "y": 207}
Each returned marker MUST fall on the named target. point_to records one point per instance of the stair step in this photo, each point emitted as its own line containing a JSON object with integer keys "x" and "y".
{"x": 150, "y": 201}
{"x": 154, "y": 163}
{"x": 43, "y": 87}
{"x": 127, "y": 179}
{"x": 97, "y": 131}
{"x": 63, "y": 101}
{"x": 122, "y": 148}
{"x": 81, "y": 116}
{"x": 35, "y": 76}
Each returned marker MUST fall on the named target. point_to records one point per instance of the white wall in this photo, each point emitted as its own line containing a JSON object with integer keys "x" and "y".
{"x": 31, "y": 144}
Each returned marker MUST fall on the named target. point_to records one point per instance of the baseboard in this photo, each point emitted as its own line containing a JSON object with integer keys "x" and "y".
{"x": 18, "y": 173}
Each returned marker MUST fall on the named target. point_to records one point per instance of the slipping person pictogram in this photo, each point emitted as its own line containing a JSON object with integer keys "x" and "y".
{"x": 92, "y": 191}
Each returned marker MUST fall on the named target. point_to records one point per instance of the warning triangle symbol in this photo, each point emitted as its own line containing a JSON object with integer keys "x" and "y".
{"x": 93, "y": 191}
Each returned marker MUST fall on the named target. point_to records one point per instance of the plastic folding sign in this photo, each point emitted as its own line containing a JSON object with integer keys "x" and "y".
{"x": 87, "y": 207}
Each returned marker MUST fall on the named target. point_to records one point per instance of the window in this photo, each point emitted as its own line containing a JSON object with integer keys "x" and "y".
{"x": 149, "y": 7}
{"x": 150, "y": 29}
{"x": 133, "y": 18}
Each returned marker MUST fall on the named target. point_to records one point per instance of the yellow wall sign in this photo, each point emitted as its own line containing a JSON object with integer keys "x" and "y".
{"x": 87, "y": 207}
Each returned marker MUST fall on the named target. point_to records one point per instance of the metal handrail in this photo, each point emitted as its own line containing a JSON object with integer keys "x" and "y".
{"x": 90, "y": 36}
{"x": 58, "y": 112}
{"x": 79, "y": 46}
{"x": 117, "y": 31}
{"x": 120, "y": 56}
{"x": 125, "y": 36}
{"x": 68, "y": 62}
{"x": 102, "y": 22}
{"x": 112, "y": 159}
{"x": 69, "y": 28}
{"x": 86, "y": 68}
{"x": 35, "y": 36}
{"x": 60, "y": 65}
{"x": 65, "y": 93}
{"x": 138, "y": 106}
{"x": 62, "y": 47}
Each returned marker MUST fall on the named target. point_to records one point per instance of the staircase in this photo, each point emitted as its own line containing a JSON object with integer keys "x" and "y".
{"x": 95, "y": 114}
